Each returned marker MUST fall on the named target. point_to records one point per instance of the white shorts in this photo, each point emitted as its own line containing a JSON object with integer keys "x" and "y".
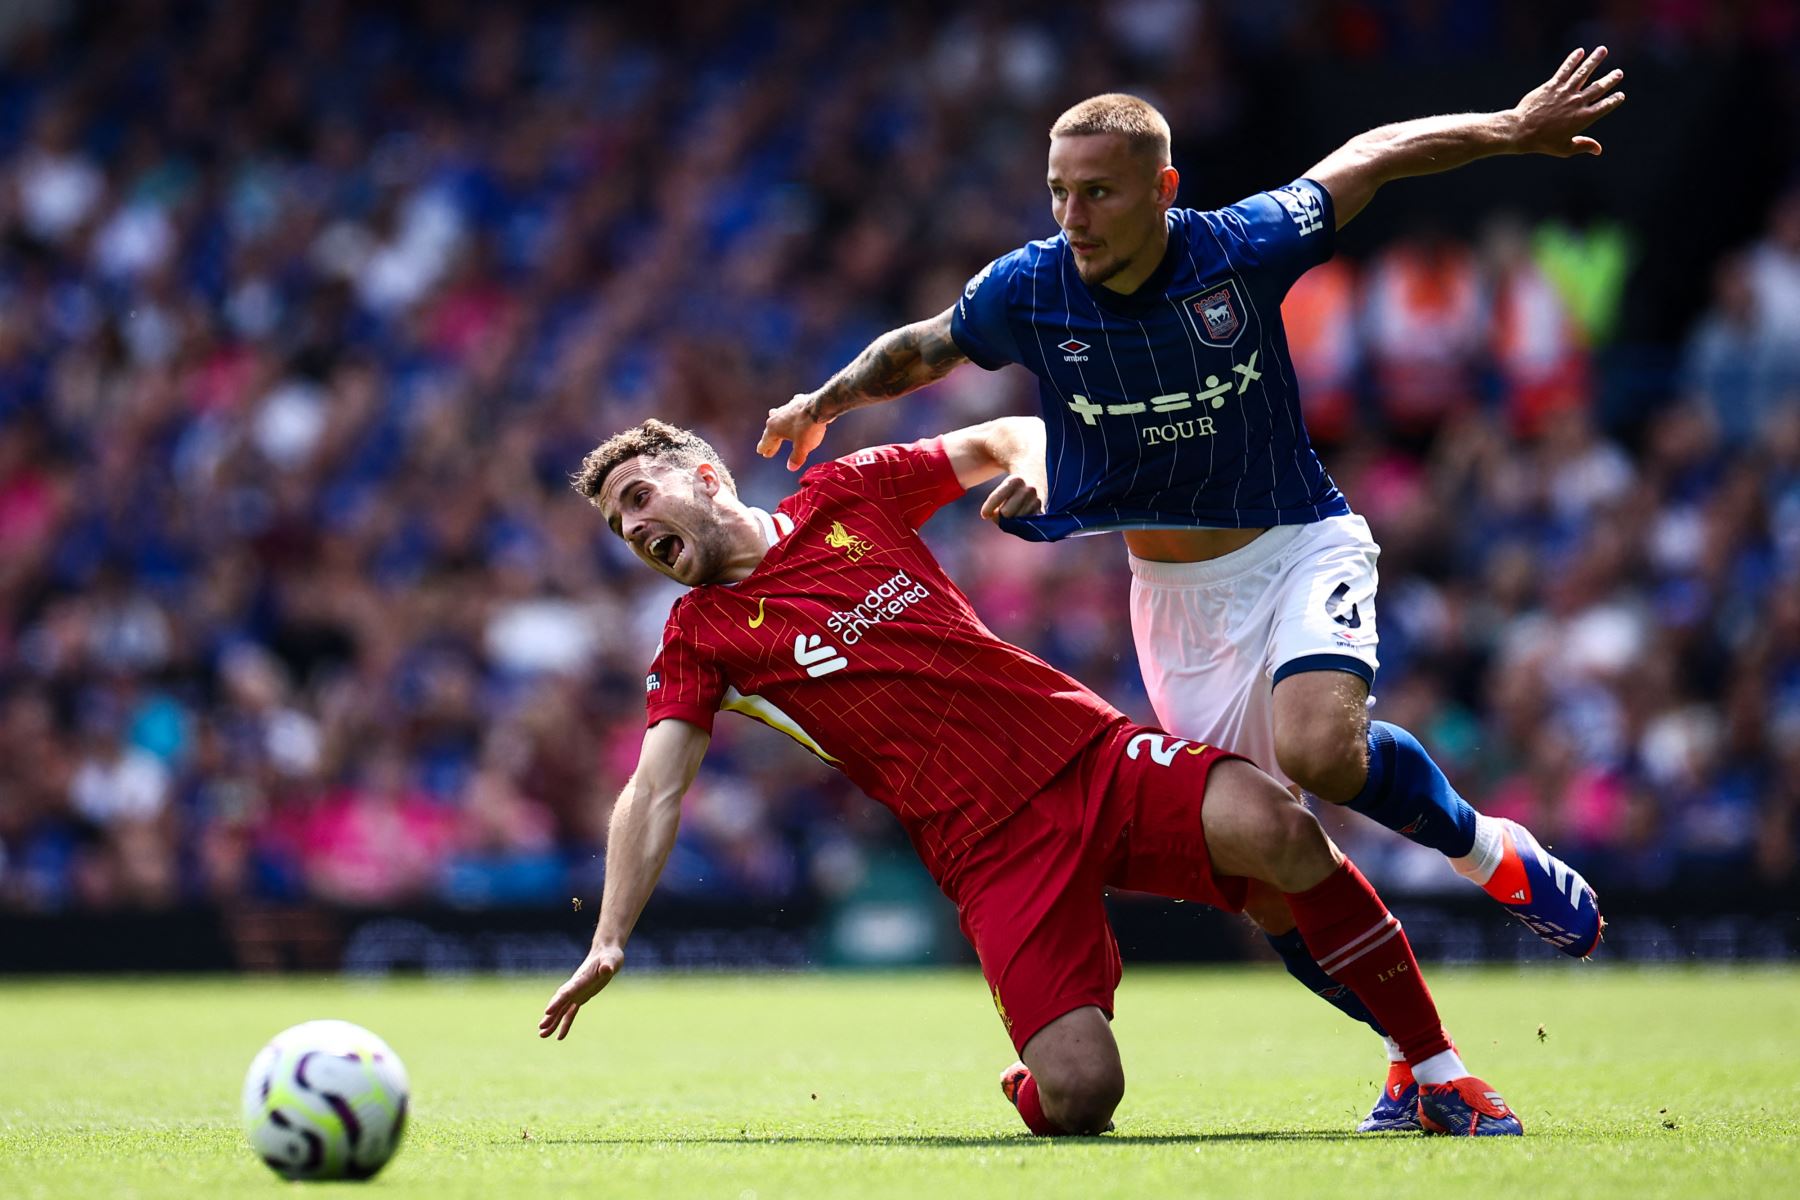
{"x": 1215, "y": 637}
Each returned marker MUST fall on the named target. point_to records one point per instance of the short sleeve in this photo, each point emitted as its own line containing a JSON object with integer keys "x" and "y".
{"x": 684, "y": 680}
{"x": 979, "y": 324}
{"x": 1282, "y": 233}
{"x": 916, "y": 478}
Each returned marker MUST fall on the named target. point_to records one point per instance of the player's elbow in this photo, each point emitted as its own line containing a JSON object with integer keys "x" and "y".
{"x": 1351, "y": 175}
{"x": 977, "y": 453}
{"x": 1018, "y": 443}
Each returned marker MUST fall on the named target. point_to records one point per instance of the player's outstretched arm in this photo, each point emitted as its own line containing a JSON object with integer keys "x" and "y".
{"x": 894, "y": 364}
{"x": 642, "y": 833}
{"x": 1010, "y": 446}
{"x": 1550, "y": 119}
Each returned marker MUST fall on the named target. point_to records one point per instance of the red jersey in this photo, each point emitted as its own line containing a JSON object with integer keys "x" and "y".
{"x": 849, "y": 637}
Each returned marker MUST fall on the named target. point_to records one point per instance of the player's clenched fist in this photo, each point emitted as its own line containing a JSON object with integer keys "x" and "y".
{"x": 595, "y": 972}
{"x": 1013, "y": 497}
{"x": 792, "y": 422}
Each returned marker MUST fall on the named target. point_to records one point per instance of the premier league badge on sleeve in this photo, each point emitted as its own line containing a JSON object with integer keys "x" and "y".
{"x": 1217, "y": 314}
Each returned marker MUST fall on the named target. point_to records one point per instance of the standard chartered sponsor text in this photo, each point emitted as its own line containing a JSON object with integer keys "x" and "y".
{"x": 882, "y": 602}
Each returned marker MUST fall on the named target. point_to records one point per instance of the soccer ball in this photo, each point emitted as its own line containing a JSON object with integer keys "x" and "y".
{"x": 325, "y": 1100}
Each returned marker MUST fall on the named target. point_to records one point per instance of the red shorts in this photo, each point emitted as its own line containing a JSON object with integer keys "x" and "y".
{"x": 1124, "y": 814}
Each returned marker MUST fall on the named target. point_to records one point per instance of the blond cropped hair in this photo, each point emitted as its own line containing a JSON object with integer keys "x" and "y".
{"x": 1144, "y": 129}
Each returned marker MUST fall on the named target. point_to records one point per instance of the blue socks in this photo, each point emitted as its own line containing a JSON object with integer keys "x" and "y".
{"x": 1302, "y": 966}
{"x": 1406, "y": 792}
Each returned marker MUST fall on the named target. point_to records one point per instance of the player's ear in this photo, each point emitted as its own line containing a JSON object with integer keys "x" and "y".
{"x": 1168, "y": 182}
{"x": 710, "y": 483}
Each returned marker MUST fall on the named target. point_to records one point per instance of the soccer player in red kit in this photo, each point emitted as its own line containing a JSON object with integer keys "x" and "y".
{"x": 1024, "y": 793}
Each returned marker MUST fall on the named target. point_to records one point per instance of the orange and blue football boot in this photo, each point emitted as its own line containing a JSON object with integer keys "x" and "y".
{"x": 1546, "y": 894}
{"x": 1466, "y": 1107}
{"x": 1011, "y": 1080}
{"x": 1397, "y": 1111}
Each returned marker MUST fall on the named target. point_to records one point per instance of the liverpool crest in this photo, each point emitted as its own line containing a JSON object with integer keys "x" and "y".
{"x": 842, "y": 539}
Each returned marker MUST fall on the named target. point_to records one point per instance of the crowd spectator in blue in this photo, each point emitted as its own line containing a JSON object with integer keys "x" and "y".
{"x": 306, "y": 315}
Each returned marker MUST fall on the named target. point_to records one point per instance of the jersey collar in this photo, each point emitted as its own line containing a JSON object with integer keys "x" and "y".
{"x": 774, "y": 526}
{"x": 1149, "y": 294}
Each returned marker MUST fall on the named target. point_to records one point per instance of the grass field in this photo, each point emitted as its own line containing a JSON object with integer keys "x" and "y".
{"x": 1643, "y": 1083}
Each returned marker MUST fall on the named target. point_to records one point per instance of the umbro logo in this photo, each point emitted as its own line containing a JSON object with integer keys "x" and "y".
{"x": 818, "y": 656}
{"x": 1074, "y": 350}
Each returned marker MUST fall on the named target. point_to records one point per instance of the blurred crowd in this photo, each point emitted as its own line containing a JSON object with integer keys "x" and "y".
{"x": 307, "y": 313}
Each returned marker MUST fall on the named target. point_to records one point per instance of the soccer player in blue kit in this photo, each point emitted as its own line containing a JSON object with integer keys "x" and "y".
{"x": 1171, "y": 414}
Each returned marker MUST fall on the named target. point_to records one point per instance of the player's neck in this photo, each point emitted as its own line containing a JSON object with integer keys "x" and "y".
{"x": 749, "y": 543}
{"x": 1140, "y": 270}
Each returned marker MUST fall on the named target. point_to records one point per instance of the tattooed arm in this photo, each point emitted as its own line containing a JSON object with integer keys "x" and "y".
{"x": 894, "y": 364}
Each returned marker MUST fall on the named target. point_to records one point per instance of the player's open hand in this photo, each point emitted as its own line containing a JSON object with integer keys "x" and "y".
{"x": 1553, "y": 115}
{"x": 1014, "y": 496}
{"x": 792, "y": 422}
{"x": 595, "y": 972}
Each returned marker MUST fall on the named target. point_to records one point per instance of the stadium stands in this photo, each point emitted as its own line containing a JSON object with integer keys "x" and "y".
{"x": 306, "y": 313}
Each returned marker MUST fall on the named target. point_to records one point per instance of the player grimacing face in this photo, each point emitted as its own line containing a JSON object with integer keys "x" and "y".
{"x": 1111, "y": 203}
{"x": 668, "y": 515}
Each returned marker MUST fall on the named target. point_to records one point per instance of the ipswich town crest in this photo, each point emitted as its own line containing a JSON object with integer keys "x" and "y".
{"x": 1217, "y": 314}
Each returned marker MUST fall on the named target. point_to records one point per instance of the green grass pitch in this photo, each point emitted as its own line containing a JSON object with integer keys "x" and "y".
{"x": 1643, "y": 1083}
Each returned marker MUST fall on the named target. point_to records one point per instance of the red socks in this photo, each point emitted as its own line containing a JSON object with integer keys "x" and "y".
{"x": 1359, "y": 943}
{"x": 1029, "y": 1108}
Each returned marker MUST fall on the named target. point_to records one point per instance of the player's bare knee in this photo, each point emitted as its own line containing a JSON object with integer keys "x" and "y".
{"x": 1321, "y": 732}
{"x": 1082, "y": 1096}
{"x": 1329, "y": 759}
{"x": 1076, "y": 1064}
{"x": 1299, "y": 853}
{"x": 1242, "y": 818}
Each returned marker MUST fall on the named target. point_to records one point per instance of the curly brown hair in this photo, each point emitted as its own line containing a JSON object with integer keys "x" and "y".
{"x": 652, "y": 439}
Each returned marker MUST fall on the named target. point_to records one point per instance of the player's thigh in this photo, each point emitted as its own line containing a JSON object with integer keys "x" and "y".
{"x": 1162, "y": 785}
{"x": 1032, "y": 906}
{"x": 1202, "y": 653}
{"x": 1323, "y": 605}
{"x": 1322, "y": 657}
{"x": 1321, "y": 731}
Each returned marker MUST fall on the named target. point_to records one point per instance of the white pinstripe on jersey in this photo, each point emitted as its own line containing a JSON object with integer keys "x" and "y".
{"x": 1267, "y": 473}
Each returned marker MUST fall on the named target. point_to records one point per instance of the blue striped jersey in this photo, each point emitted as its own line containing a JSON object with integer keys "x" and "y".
{"x": 1176, "y": 405}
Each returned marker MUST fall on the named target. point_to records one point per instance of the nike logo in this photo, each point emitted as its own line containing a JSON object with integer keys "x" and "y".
{"x": 757, "y": 620}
